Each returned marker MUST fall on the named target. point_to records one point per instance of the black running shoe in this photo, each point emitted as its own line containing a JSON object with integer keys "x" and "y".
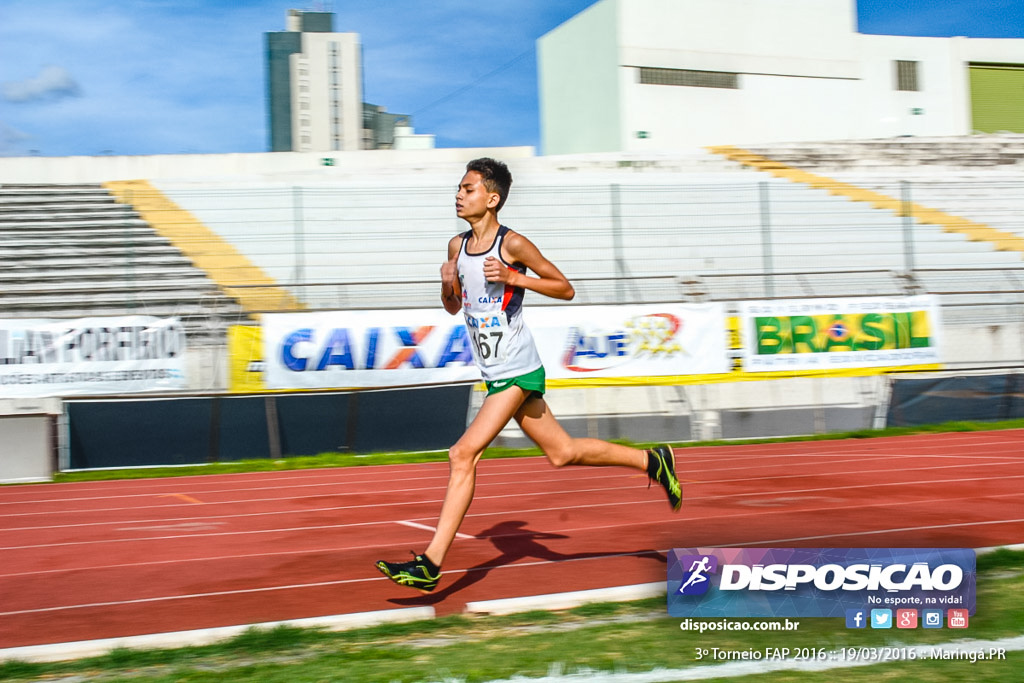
{"x": 421, "y": 573}
{"x": 661, "y": 467}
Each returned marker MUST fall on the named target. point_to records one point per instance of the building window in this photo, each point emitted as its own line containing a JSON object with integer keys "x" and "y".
{"x": 698, "y": 79}
{"x": 906, "y": 75}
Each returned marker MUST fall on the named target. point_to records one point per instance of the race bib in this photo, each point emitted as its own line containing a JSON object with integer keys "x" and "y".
{"x": 490, "y": 337}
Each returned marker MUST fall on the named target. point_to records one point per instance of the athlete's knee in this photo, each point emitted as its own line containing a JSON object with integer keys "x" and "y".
{"x": 561, "y": 455}
{"x": 460, "y": 457}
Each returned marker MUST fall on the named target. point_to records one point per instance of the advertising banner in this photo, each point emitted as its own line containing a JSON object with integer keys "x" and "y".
{"x": 347, "y": 349}
{"x": 630, "y": 341}
{"x": 91, "y": 356}
{"x": 245, "y": 359}
{"x": 831, "y": 334}
{"x": 820, "y": 582}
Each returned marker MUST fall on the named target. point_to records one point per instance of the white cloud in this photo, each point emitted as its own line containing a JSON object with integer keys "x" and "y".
{"x": 53, "y": 82}
{"x": 166, "y": 76}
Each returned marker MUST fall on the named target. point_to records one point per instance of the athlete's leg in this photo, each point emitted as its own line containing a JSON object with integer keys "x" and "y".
{"x": 539, "y": 424}
{"x": 494, "y": 414}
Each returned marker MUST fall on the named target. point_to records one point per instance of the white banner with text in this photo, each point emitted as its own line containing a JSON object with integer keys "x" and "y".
{"x": 108, "y": 355}
{"x": 345, "y": 349}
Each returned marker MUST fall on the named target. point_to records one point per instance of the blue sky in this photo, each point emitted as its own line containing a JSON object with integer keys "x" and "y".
{"x": 85, "y": 77}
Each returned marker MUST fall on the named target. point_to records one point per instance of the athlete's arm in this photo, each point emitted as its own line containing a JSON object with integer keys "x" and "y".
{"x": 517, "y": 249}
{"x": 451, "y": 292}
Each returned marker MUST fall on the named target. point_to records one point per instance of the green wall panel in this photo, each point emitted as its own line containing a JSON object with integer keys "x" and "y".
{"x": 997, "y": 98}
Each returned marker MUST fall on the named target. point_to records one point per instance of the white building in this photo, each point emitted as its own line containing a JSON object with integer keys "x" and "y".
{"x": 315, "y": 92}
{"x": 644, "y": 75}
{"x": 314, "y": 86}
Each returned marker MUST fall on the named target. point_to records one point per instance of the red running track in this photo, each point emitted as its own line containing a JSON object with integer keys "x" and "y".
{"x": 110, "y": 559}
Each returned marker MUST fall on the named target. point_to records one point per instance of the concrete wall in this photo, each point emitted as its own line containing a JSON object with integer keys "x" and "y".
{"x": 282, "y": 165}
{"x": 27, "y": 439}
{"x": 579, "y": 85}
{"x": 804, "y": 73}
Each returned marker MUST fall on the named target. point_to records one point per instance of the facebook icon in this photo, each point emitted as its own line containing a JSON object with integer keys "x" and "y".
{"x": 856, "y": 618}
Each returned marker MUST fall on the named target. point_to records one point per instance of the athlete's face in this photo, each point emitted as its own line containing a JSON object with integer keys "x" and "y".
{"x": 473, "y": 198}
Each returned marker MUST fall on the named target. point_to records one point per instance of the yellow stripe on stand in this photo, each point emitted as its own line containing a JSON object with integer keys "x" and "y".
{"x": 974, "y": 231}
{"x": 224, "y": 264}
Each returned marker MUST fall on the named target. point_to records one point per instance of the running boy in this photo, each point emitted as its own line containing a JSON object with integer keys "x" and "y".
{"x": 485, "y": 277}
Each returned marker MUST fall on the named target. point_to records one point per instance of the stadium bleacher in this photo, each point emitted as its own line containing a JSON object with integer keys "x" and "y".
{"x": 958, "y": 197}
{"x": 624, "y": 228}
{"x": 73, "y": 251}
{"x": 637, "y": 228}
{"x": 626, "y": 236}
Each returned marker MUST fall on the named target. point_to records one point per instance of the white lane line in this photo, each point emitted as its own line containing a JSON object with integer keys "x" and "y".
{"x": 144, "y": 487}
{"x": 208, "y": 506}
{"x": 427, "y": 527}
{"x": 830, "y": 458}
{"x": 558, "y": 530}
{"x": 703, "y": 482}
{"x": 507, "y": 512}
{"x": 313, "y": 584}
{"x": 875, "y": 532}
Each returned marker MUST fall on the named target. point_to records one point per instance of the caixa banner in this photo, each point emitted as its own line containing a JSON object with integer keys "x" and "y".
{"x": 338, "y": 349}
{"x": 817, "y": 582}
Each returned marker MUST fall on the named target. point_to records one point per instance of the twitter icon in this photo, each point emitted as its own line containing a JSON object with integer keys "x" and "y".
{"x": 881, "y": 618}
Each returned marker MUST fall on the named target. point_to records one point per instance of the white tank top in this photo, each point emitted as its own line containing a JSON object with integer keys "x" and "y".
{"x": 502, "y": 345}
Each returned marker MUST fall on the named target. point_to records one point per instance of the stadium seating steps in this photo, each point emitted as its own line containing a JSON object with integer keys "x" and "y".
{"x": 71, "y": 251}
{"x": 1004, "y": 150}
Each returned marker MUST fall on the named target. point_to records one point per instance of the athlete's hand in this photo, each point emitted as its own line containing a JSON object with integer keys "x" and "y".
{"x": 449, "y": 272}
{"x": 496, "y": 271}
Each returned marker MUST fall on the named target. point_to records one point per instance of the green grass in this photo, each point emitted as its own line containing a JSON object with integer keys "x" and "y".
{"x": 627, "y": 637}
{"x": 351, "y": 460}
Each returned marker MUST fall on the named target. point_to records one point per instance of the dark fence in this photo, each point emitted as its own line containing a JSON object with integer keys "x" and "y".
{"x": 178, "y": 431}
{"x": 944, "y": 399}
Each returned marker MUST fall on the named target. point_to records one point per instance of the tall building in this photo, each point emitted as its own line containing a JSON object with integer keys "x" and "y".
{"x": 315, "y": 92}
{"x": 641, "y": 75}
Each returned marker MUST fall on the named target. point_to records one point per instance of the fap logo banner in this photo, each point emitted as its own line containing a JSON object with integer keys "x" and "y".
{"x": 817, "y": 582}
{"x": 647, "y": 340}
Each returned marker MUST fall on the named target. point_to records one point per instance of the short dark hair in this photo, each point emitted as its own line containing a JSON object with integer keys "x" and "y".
{"x": 496, "y": 177}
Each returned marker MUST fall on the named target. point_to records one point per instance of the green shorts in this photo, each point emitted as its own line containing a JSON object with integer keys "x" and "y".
{"x": 532, "y": 383}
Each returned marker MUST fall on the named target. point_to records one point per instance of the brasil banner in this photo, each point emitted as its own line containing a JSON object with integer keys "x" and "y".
{"x": 824, "y": 334}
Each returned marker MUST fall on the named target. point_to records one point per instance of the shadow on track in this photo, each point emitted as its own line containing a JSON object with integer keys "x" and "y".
{"x": 515, "y": 542}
